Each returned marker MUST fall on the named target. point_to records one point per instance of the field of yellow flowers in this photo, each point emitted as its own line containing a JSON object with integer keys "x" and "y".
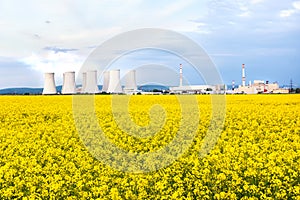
{"x": 257, "y": 156}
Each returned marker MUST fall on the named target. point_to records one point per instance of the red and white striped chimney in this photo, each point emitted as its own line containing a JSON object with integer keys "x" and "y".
{"x": 180, "y": 72}
{"x": 243, "y": 76}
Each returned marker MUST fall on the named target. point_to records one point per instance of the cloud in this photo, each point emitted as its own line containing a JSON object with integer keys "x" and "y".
{"x": 256, "y": 1}
{"x": 222, "y": 54}
{"x": 17, "y": 74}
{"x": 296, "y": 5}
{"x": 56, "y": 49}
{"x": 289, "y": 12}
{"x": 176, "y": 7}
{"x": 245, "y": 14}
{"x": 36, "y": 36}
{"x": 57, "y": 62}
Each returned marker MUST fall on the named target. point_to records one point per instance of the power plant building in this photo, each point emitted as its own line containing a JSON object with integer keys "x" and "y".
{"x": 194, "y": 89}
{"x": 49, "y": 84}
{"x": 258, "y": 86}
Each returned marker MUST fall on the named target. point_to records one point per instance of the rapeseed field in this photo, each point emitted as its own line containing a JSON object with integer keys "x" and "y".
{"x": 257, "y": 156}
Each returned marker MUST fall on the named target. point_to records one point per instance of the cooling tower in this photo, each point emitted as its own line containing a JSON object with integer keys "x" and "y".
{"x": 130, "y": 84}
{"x": 114, "y": 85}
{"x": 49, "y": 85}
{"x": 83, "y": 82}
{"x": 105, "y": 81}
{"x": 69, "y": 86}
{"x": 91, "y": 86}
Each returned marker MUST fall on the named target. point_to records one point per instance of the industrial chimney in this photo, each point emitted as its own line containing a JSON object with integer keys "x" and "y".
{"x": 105, "y": 81}
{"x": 69, "y": 86}
{"x": 243, "y": 76}
{"x": 83, "y": 82}
{"x": 49, "y": 84}
{"x": 114, "y": 85}
{"x": 130, "y": 84}
{"x": 91, "y": 86}
{"x": 180, "y": 79}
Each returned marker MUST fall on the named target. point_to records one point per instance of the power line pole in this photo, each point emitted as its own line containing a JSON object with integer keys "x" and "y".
{"x": 291, "y": 86}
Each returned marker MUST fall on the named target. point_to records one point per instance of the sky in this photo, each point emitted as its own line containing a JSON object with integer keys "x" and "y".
{"x": 58, "y": 36}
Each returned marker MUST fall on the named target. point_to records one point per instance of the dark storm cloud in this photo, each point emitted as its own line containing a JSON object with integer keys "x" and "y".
{"x": 16, "y": 74}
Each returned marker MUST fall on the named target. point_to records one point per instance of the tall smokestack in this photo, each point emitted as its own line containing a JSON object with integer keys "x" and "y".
{"x": 180, "y": 72}
{"x": 69, "y": 86}
{"x": 49, "y": 84}
{"x": 91, "y": 86}
{"x": 243, "y": 76}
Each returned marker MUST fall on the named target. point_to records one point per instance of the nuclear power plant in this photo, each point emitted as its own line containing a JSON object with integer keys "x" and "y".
{"x": 112, "y": 84}
{"x": 49, "y": 84}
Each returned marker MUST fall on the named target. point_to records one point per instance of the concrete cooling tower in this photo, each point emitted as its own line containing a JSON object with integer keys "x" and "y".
{"x": 130, "y": 82}
{"x": 49, "y": 84}
{"x": 69, "y": 86}
{"x": 114, "y": 85}
{"x": 91, "y": 86}
{"x": 105, "y": 81}
{"x": 83, "y": 82}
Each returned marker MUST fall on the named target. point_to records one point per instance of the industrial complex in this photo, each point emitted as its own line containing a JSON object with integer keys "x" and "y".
{"x": 112, "y": 84}
{"x": 258, "y": 86}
